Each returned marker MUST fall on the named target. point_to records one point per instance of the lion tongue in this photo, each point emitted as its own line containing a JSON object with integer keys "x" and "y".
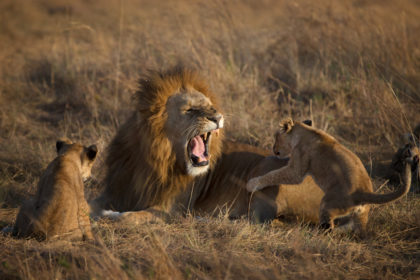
{"x": 197, "y": 148}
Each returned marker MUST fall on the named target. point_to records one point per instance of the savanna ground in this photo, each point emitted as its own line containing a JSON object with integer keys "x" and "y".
{"x": 69, "y": 68}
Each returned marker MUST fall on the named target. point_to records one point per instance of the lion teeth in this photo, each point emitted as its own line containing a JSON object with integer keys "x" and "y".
{"x": 205, "y": 136}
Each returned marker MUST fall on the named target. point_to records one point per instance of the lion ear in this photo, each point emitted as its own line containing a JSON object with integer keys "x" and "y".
{"x": 286, "y": 125}
{"x": 307, "y": 122}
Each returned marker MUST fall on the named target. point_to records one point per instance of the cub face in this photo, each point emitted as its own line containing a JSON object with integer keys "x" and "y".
{"x": 283, "y": 138}
{"x": 282, "y": 144}
{"x": 87, "y": 154}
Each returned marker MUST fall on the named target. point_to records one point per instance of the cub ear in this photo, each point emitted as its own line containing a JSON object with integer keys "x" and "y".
{"x": 61, "y": 142}
{"x": 286, "y": 125}
{"x": 307, "y": 122}
{"x": 91, "y": 152}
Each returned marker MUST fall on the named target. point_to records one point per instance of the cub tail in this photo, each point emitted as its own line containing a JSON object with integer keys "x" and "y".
{"x": 374, "y": 198}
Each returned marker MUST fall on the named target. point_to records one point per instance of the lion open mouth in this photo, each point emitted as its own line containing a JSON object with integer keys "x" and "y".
{"x": 198, "y": 149}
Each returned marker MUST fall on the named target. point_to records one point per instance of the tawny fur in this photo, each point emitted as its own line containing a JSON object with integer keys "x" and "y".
{"x": 59, "y": 209}
{"x": 146, "y": 175}
{"x": 338, "y": 171}
{"x": 300, "y": 200}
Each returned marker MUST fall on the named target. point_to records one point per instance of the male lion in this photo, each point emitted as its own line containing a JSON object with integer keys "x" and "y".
{"x": 170, "y": 158}
{"x": 338, "y": 171}
{"x": 59, "y": 209}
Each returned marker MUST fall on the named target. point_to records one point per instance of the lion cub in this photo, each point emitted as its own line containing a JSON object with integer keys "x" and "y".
{"x": 59, "y": 209}
{"x": 410, "y": 149}
{"x": 397, "y": 165}
{"x": 338, "y": 171}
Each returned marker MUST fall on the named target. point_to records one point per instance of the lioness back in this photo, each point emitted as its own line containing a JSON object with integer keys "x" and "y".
{"x": 59, "y": 208}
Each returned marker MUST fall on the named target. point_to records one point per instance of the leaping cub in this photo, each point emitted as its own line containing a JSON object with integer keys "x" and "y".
{"x": 338, "y": 171}
{"x": 59, "y": 209}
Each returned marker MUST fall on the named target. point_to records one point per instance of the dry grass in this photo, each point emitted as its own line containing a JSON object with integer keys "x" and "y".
{"x": 70, "y": 70}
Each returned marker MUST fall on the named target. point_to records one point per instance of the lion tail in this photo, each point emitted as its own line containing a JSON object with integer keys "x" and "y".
{"x": 364, "y": 198}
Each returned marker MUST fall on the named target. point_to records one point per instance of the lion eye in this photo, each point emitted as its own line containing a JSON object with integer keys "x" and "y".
{"x": 190, "y": 110}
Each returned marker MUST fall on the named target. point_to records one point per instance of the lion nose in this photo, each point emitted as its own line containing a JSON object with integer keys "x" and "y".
{"x": 218, "y": 119}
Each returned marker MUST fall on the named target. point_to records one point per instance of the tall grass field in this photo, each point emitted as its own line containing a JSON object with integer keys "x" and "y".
{"x": 70, "y": 68}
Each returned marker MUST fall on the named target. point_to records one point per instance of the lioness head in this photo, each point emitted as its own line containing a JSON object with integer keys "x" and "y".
{"x": 86, "y": 155}
{"x": 283, "y": 137}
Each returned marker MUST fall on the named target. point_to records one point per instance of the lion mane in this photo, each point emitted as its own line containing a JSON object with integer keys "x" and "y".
{"x": 142, "y": 170}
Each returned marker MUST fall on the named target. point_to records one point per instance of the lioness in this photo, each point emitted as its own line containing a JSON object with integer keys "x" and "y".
{"x": 59, "y": 209}
{"x": 170, "y": 158}
{"x": 338, "y": 172}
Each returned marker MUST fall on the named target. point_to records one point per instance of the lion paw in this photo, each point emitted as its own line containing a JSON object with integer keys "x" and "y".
{"x": 113, "y": 215}
{"x": 135, "y": 218}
